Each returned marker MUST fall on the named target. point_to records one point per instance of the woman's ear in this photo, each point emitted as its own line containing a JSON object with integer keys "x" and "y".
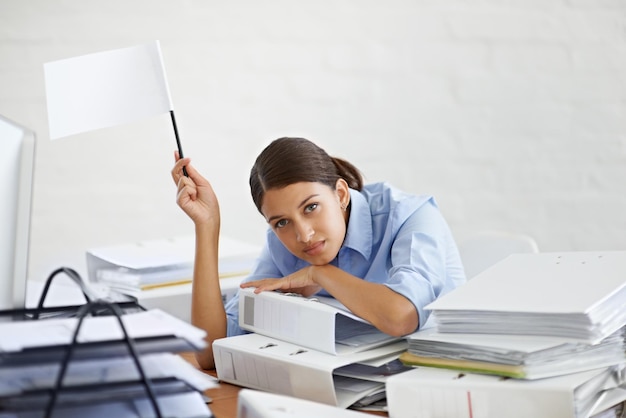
{"x": 343, "y": 193}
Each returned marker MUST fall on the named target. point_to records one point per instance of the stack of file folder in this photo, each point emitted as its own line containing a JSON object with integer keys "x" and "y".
{"x": 101, "y": 366}
{"x": 578, "y": 295}
{"x": 516, "y": 356}
{"x": 308, "y": 348}
{"x": 534, "y": 322}
{"x": 131, "y": 268}
{"x": 158, "y": 273}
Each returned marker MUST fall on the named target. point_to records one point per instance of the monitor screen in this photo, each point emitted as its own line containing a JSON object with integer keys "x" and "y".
{"x": 16, "y": 179}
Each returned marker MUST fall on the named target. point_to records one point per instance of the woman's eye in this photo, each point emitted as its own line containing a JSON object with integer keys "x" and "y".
{"x": 311, "y": 207}
{"x": 280, "y": 223}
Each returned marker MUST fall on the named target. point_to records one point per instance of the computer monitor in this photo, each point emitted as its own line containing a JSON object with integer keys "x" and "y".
{"x": 17, "y": 157}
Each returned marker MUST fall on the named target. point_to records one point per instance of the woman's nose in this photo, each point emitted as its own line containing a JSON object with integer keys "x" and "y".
{"x": 304, "y": 232}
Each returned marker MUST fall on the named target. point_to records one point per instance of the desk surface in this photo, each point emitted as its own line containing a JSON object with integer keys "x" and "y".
{"x": 224, "y": 397}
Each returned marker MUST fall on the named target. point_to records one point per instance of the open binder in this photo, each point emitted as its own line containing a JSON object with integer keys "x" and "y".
{"x": 91, "y": 361}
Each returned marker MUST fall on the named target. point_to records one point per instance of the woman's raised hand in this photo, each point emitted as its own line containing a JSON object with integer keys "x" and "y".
{"x": 195, "y": 195}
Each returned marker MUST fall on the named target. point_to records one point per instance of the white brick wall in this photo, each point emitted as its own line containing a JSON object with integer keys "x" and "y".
{"x": 511, "y": 112}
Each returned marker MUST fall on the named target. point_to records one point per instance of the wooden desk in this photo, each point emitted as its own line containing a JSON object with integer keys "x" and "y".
{"x": 224, "y": 397}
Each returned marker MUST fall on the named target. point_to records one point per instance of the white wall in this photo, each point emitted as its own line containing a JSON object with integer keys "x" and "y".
{"x": 511, "y": 112}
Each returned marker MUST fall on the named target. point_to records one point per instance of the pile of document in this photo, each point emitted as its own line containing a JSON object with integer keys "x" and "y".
{"x": 532, "y": 323}
{"x": 579, "y": 295}
{"x": 308, "y": 348}
{"x": 131, "y": 268}
{"x": 516, "y": 356}
{"x": 101, "y": 378}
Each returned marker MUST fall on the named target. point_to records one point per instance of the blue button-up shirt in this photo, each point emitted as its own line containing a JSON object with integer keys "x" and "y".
{"x": 393, "y": 238}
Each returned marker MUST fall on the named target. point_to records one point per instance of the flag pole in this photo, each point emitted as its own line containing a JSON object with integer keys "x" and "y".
{"x": 180, "y": 147}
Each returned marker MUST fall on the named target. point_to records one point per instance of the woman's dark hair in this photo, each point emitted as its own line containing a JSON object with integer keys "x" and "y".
{"x": 292, "y": 160}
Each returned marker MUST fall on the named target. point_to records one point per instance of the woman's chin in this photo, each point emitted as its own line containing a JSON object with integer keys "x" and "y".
{"x": 320, "y": 260}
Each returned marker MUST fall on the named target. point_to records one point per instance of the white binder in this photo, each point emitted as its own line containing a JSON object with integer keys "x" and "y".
{"x": 259, "y": 362}
{"x": 258, "y": 404}
{"x": 439, "y": 393}
{"x": 320, "y": 323}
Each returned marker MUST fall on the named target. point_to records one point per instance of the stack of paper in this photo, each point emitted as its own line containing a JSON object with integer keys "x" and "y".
{"x": 553, "y": 321}
{"x": 578, "y": 295}
{"x": 101, "y": 375}
{"x": 147, "y": 265}
{"x": 522, "y": 357}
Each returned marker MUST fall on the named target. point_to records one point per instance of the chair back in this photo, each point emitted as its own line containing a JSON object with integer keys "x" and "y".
{"x": 486, "y": 248}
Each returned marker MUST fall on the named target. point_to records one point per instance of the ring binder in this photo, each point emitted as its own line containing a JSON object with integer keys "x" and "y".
{"x": 86, "y": 309}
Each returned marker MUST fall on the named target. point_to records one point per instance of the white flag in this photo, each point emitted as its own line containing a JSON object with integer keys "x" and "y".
{"x": 105, "y": 89}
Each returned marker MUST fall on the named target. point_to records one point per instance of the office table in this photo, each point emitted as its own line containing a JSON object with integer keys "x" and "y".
{"x": 224, "y": 404}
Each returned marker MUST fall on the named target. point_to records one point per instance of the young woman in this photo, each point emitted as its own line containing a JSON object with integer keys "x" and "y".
{"x": 383, "y": 253}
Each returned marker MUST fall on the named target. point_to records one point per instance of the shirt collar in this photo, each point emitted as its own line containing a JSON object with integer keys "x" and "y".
{"x": 359, "y": 234}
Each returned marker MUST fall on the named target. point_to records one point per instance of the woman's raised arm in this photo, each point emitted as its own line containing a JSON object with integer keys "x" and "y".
{"x": 197, "y": 199}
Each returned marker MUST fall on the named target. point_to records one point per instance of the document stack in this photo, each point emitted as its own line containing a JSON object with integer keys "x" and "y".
{"x": 158, "y": 273}
{"x": 147, "y": 265}
{"x": 308, "y": 348}
{"x": 101, "y": 366}
{"x": 516, "y": 356}
{"x": 539, "y": 335}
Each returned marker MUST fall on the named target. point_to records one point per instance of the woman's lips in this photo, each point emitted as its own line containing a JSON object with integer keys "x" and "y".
{"x": 315, "y": 249}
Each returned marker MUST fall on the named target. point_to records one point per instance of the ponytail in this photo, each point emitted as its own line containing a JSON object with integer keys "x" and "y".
{"x": 349, "y": 173}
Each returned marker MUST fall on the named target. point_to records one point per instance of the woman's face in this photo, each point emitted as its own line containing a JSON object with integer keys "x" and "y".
{"x": 308, "y": 219}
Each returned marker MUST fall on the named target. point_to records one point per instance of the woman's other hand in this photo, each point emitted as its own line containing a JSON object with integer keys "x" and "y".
{"x": 300, "y": 282}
